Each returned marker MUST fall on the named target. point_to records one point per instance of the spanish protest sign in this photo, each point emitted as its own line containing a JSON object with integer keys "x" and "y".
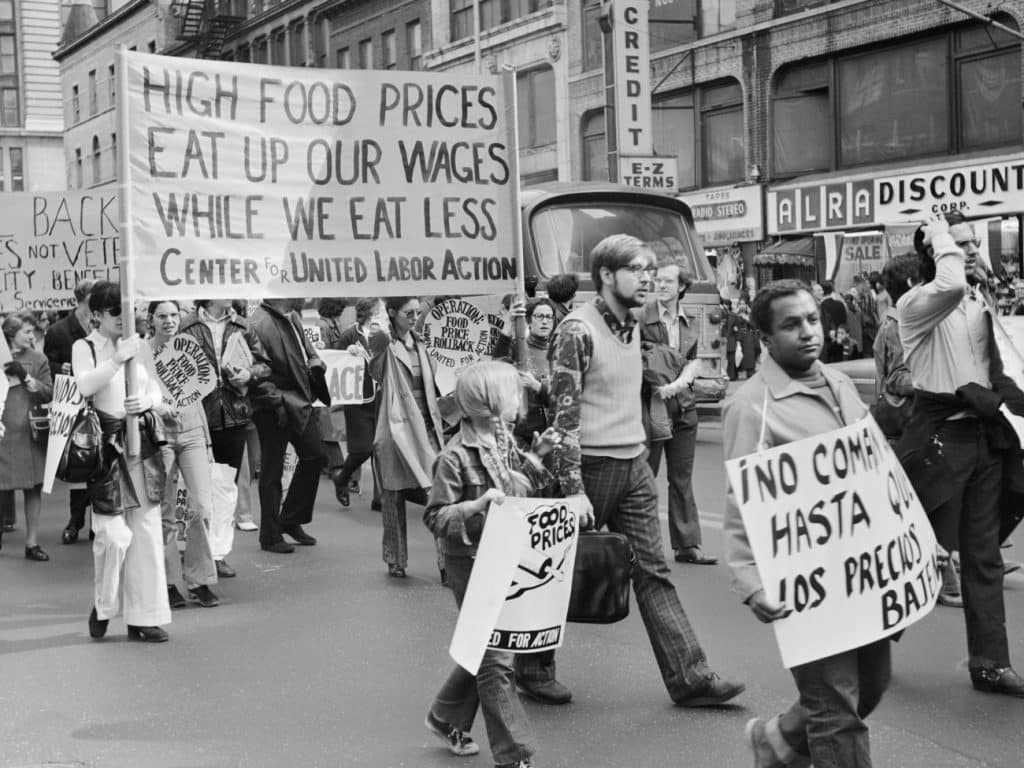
{"x": 51, "y": 240}
{"x": 518, "y": 593}
{"x": 346, "y": 375}
{"x": 839, "y": 537}
{"x": 67, "y": 402}
{"x": 294, "y": 182}
{"x": 185, "y": 370}
{"x": 456, "y": 333}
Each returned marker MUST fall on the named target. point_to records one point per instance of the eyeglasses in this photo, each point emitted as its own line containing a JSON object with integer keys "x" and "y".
{"x": 114, "y": 311}
{"x": 637, "y": 269}
{"x": 543, "y": 317}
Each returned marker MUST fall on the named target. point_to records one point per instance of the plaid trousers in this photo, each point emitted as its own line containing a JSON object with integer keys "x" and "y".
{"x": 625, "y": 499}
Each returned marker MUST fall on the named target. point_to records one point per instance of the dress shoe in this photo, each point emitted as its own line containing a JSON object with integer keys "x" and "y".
{"x": 396, "y": 571}
{"x": 375, "y": 506}
{"x": 36, "y": 553}
{"x": 147, "y": 634}
{"x": 69, "y": 535}
{"x": 174, "y": 597}
{"x": 247, "y": 525}
{"x": 300, "y": 536}
{"x": 97, "y": 626}
{"x": 694, "y": 556}
{"x": 998, "y": 680}
{"x": 224, "y": 571}
{"x": 545, "y": 691}
{"x": 204, "y": 596}
{"x": 712, "y": 692}
{"x": 278, "y": 547}
{"x": 340, "y": 489}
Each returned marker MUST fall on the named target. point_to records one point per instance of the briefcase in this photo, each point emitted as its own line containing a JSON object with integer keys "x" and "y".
{"x": 600, "y": 578}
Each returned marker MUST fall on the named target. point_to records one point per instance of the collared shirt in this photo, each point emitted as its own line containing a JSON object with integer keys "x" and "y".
{"x": 772, "y": 409}
{"x": 569, "y": 358}
{"x": 943, "y": 328}
{"x": 671, "y": 322}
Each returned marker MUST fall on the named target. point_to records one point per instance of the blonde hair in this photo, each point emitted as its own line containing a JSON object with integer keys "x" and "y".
{"x": 486, "y": 389}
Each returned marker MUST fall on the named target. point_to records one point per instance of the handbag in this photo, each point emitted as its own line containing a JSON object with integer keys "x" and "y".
{"x": 82, "y": 458}
{"x": 600, "y": 578}
{"x": 39, "y": 422}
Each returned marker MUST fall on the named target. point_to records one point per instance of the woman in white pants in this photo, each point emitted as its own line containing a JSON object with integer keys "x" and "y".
{"x": 128, "y": 551}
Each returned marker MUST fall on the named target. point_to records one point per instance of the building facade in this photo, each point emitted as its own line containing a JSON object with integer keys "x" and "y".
{"x": 31, "y": 120}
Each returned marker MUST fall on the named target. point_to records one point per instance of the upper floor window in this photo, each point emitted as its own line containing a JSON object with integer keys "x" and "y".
{"x": 595, "y": 146}
{"x": 366, "y": 54}
{"x": 113, "y": 156}
{"x": 97, "y": 160}
{"x": 259, "y": 52}
{"x": 414, "y": 44}
{"x": 593, "y": 38}
{"x": 151, "y": 46}
{"x": 6, "y": 10}
{"x": 76, "y": 105}
{"x": 673, "y": 22}
{"x": 112, "y": 85}
{"x": 343, "y": 60}
{"x": 389, "y": 49}
{"x": 78, "y": 168}
{"x": 93, "y": 102}
{"x": 492, "y": 14}
{"x": 279, "y": 51}
{"x": 717, "y": 16}
{"x": 17, "y": 170}
{"x": 8, "y": 56}
{"x": 297, "y": 51}
{"x": 461, "y": 19}
{"x": 10, "y": 115}
{"x": 535, "y": 90}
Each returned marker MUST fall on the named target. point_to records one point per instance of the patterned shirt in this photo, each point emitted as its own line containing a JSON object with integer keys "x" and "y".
{"x": 569, "y": 358}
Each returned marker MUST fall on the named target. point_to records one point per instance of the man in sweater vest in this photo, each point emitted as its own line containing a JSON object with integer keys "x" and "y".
{"x": 599, "y": 454}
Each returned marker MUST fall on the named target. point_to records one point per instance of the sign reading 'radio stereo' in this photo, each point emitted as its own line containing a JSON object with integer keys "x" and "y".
{"x": 726, "y": 215}
{"x": 990, "y": 189}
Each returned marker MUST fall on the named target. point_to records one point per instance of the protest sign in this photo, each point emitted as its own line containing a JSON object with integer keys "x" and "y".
{"x": 292, "y": 182}
{"x": 346, "y": 375}
{"x": 185, "y": 370}
{"x": 456, "y": 333}
{"x": 518, "y": 594}
{"x": 51, "y": 240}
{"x": 5, "y": 387}
{"x": 5, "y": 351}
{"x": 839, "y": 537}
{"x": 313, "y": 336}
{"x": 67, "y": 402}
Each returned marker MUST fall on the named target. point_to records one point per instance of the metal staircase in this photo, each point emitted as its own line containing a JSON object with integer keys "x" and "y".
{"x": 207, "y": 23}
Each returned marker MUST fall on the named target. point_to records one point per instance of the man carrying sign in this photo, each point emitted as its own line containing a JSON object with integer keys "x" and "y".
{"x": 792, "y": 397}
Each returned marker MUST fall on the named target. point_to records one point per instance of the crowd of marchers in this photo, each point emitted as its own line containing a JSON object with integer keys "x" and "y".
{"x": 598, "y": 397}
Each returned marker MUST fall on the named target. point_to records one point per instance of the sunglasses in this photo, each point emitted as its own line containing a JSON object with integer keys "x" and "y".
{"x": 114, "y": 311}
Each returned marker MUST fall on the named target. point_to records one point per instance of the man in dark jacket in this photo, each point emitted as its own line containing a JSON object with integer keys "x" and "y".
{"x": 57, "y": 347}
{"x": 284, "y": 414}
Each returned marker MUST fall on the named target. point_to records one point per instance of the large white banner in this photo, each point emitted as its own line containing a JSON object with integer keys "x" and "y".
{"x": 839, "y": 537}
{"x": 51, "y": 240}
{"x": 518, "y": 594}
{"x": 293, "y": 182}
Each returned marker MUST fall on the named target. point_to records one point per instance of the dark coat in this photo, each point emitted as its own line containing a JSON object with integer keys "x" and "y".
{"x": 653, "y": 333}
{"x": 288, "y": 389}
{"x": 360, "y": 420}
{"x": 58, "y": 340}
{"x": 225, "y": 407}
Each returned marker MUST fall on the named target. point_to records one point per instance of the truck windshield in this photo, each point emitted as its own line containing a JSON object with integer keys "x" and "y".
{"x": 564, "y": 235}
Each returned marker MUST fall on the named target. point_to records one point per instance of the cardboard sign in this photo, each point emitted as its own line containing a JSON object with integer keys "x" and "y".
{"x": 5, "y": 387}
{"x": 292, "y": 182}
{"x": 49, "y": 241}
{"x": 518, "y": 594}
{"x": 839, "y": 537}
{"x": 313, "y": 336}
{"x": 456, "y": 333}
{"x": 185, "y": 370}
{"x": 67, "y": 402}
{"x": 345, "y": 376}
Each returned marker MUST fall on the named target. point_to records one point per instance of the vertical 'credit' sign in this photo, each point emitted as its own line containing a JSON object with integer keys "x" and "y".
{"x": 628, "y": 73}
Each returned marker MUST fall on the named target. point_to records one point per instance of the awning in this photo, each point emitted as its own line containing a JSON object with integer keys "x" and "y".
{"x": 793, "y": 251}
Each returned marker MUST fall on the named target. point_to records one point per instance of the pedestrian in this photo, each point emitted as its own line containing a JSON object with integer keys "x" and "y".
{"x": 854, "y": 324}
{"x": 283, "y": 415}
{"x": 955, "y": 447}
{"x": 869, "y": 313}
{"x": 478, "y": 468}
{"x": 360, "y": 419}
{"x": 794, "y": 396}
{"x": 57, "y": 347}
{"x": 236, "y": 354}
{"x": 667, "y": 332}
{"x": 128, "y": 550}
{"x": 832, "y": 308}
{"x": 747, "y": 343}
{"x": 409, "y": 403}
{"x": 599, "y": 457}
{"x": 187, "y": 453}
{"x": 331, "y": 418}
{"x": 562, "y": 290}
{"x": 22, "y": 456}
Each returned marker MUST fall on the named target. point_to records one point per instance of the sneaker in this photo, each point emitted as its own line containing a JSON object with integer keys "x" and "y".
{"x": 764, "y": 755}
{"x": 204, "y": 596}
{"x": 174, "y": 597}
{"x": 458, "y": 742}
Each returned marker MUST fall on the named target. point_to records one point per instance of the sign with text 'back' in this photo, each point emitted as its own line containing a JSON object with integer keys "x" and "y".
{"x": 839, "y": 537}
{"x": 49, "y": 241}
{"x": 292, "y": 182}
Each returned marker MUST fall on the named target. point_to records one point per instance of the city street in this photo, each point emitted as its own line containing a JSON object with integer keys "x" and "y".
{"x": 319, "y": 659}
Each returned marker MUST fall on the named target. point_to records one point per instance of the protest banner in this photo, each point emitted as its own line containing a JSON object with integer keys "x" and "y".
{"x": 185, "y": 370}
{"x": 67, "y": 402}
{"x": 51, "y": 240}
{"x": 345, "y": 374}
{"x": 292, "y": 182}
{"x": 456, "y": 333}
{"x": 839, "y": 537}
{"x": 518, "y": 594}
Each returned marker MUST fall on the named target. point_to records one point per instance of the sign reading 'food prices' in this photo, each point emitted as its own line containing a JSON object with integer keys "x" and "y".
{"x": 185, "y": 370}
{"x": 292, "y": 182}
{"x": 50, "y": 241}
{"x": 839, "y": 538}
{"x": 456, "y": 333}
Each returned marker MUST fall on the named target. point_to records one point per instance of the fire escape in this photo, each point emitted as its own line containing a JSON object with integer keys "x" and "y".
{"x": 206, "y": 23}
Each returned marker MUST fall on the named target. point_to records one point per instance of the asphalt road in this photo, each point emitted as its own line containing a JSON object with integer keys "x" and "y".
{"x": 318, "y": 659}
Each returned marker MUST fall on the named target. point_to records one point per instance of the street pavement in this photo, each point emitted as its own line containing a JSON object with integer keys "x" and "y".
{"x": 319, "y": 659}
